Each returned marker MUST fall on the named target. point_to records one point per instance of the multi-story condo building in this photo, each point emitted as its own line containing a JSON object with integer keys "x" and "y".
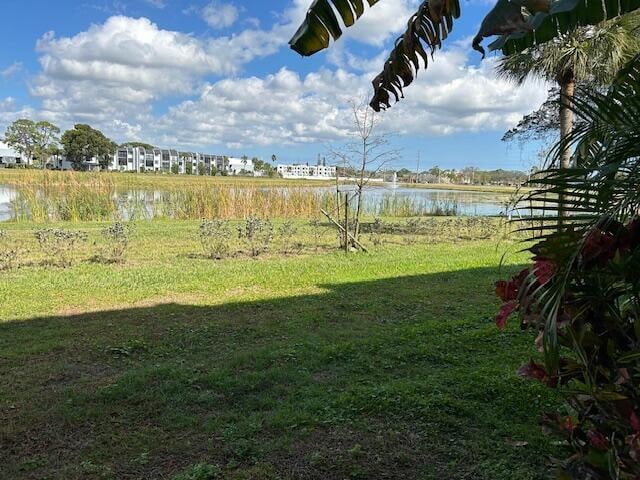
{"x": 306, "y": 171}
{"x": 138, "y": 159}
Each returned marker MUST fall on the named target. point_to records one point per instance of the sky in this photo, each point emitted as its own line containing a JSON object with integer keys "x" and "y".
{"x": 217, "y": 76}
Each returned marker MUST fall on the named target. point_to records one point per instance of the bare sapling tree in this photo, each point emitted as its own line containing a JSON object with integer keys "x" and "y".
{"x": 363, "y": 158}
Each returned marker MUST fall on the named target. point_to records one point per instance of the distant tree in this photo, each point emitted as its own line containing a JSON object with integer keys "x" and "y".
{"x": 175, "y": 169}
{"x": 262, "y": 166}
{"x": 436, "y": 172}
{"x": 188, "y": 166}
{"x": 273, "y": 158}
{"x": 214, "y": 171}
{"x": 470, "y": 174}
{"x": 146, "y": 146}
{"x": 34, "y": 140}
{"x": 202, "y": 170}
{"x": 83, "y": 143}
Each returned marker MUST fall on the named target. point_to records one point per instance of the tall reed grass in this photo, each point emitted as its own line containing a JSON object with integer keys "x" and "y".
{"x": 105, "y": 202}
{"x": 63, "y": 196}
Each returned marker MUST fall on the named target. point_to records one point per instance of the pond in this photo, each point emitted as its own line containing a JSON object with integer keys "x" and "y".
{"x": 208, "y": 202}
{"x": 7, "y": 195}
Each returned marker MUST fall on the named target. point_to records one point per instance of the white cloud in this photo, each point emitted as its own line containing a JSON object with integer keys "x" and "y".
{"x": 384, "y": 21}
{"x": 11, "y": 70}
{"x": 114, "y": 74}
{"x": 120, "y": 68}
{"x": 220, "y": 15}
{"x": 11, "y": 111}
{"x": 283, "y": 108}
{"x": 157, "y": 3}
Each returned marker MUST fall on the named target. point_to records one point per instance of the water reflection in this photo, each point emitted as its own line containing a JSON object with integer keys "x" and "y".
{"x": 7, "y": 195}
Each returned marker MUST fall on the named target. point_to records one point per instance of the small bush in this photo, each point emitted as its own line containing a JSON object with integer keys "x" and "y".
{"x": 215, "y": 236}
{"x": 377, "y": 233}
{"x": 59, "y": 244}
{"x": 117, "y": 238}
{"x": 9, "y": 253}
{"x": 316, "y": 232}
{"x": 257, "y": 234}
{"x": 287, "y": 233}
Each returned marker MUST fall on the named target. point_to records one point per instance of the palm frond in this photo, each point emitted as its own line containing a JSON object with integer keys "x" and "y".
{"x": 431, "y": 24}
{"x": 321, "y": 24}
{"x": 600, "y": 192}
{"x": 562, "y": 17}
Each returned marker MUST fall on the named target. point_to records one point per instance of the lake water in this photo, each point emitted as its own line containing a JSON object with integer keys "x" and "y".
{"x": 466, "y": 203}
{"x": 6, "y": 196}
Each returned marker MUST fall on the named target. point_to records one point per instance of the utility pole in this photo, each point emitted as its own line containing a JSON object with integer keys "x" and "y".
{"x": 418, "y": 169}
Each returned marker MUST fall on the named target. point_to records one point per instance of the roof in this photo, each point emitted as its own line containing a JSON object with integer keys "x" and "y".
{"x": 7, "y": 151}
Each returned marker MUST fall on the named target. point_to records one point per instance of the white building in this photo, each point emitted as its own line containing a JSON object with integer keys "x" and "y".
{"x": 309, "y": 172}
{"x": 9, "y": 157}
{"x": 139, "y": 159}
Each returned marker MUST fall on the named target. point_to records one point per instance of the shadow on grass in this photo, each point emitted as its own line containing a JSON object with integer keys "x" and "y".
{"x": 397, "y": 378}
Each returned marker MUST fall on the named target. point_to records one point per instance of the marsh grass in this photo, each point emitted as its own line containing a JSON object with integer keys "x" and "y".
{"x": 103, "y": 201}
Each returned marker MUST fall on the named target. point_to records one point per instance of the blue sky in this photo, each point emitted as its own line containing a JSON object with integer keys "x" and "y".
{"x": 218, "y": 76}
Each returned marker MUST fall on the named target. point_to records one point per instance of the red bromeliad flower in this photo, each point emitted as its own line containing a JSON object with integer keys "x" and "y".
{"x": 508, "y": 290}
{"x": 537, "y": 371}
{"x": 598, "y": 440}
{"x": 505, "y": 312}
{"x": 543, "y": 269}
{"x": 598, "y": 246}
{"x": 532, "y": 370}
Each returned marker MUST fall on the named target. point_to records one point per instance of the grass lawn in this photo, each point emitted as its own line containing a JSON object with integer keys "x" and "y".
{"x": 172, "y": 366}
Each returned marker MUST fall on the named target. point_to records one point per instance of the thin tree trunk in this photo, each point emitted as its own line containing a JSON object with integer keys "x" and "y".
{"x": 360, "y": 189}
{"x": 567, "y": 89}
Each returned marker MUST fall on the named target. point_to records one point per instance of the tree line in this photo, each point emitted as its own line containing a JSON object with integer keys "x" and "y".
{"x": 40, "y": 141}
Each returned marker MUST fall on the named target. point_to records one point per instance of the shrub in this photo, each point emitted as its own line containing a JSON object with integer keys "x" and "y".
{"x": 413, "y": 228}
{"x": 117, "y": 238}
{"x": 377, "y": 232}
{"x": 59, "y": 244}
{"x": 287, "y": 233}
{"x": 215, "y": 236}
{"x": 9, "y": 253}
{"x": 316, "y": 231}
{"x": 257, "y": 234}
{"x": 591, "y": 339}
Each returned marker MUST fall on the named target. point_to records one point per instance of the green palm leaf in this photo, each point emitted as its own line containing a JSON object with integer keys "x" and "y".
{"x": 321, "y": 24}
{"x": 430, "y": 24}
{"x": 561, "y": 17}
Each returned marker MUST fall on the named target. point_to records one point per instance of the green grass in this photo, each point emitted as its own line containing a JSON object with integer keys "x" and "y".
{"x": 320, "y": 366}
